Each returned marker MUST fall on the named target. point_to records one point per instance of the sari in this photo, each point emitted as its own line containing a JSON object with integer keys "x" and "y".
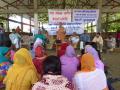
{"x": 98, "y": 63}
{"x": 39, "y": 58}
{"x": 69, "y": 63}
{"x": 61, "y": 34}
{"x": 62, "y": 49}
{"x": 22, "y": 74}
{"x": 37, "y": 43}
{"x": 5, "y": 63}
{"x": 89, "y": 78}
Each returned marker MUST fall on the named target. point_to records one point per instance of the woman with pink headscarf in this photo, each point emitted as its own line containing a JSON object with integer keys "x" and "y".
{"x": 69, "y": 62}
{"x": 98, "y": 63}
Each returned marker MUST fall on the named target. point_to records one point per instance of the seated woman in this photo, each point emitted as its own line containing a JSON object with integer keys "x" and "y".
{"x": 22, "y": 75}
{"x": 62, "y": 49}
{"x": 40, "y": 56}
{"x": 37, "y": 43}
{"x": 52, "y": 78}
{"x": 111, "y": 43}
{"x": 98, "y": 63}
{"x": 6, "y": 55}
{"x": 89, "y": 78}
{"x": 69, "y": 63}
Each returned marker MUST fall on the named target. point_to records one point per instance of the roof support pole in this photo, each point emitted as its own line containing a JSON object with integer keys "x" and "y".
{"x": 35, "y": 17}
{"x": 7, "y": 23}
{"x": 100, "y": 16}
{"x": 22, "y": 22}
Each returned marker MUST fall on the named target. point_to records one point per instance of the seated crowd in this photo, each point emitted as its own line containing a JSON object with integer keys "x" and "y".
{"x": 21, "y": 70}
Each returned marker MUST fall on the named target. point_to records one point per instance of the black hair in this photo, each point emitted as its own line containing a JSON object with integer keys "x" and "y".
{"x": 13, "y": 29}
{"x": 8, "y": 43}
{"x": 1, "y": 24}
{"x": 98, "y": 33}
{"x": 94, "y": 45}
{"x": 82, "y": 52}
{"x": 52, "y": 65}
{"x": 87, "y": 43}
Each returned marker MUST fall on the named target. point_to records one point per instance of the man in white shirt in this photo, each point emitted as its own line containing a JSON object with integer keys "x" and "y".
{"x": 99, "y": 41}
{"x": 74, "y": 39}
{"x": 14, "y": 37}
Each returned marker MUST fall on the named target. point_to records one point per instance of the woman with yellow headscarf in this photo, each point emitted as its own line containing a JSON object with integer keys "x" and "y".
{"x": 22, "y": 75}
{"x": 89, "y": 78}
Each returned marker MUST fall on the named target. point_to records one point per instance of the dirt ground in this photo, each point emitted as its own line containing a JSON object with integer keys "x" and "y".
{"x": 112, "y": 60}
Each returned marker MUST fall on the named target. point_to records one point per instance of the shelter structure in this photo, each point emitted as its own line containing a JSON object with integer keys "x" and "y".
{"x": 36, "y": 7}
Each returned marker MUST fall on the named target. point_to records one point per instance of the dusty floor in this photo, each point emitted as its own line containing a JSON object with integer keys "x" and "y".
{"x": 112, "y": 60}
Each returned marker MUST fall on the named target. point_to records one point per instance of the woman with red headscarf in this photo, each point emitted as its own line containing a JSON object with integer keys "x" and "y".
{"x": 39, "y": 55}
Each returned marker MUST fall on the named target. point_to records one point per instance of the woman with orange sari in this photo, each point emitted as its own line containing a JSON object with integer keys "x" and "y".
{"x": 89, "y": 78}
{"x": 22, "y": 75}
{"x": 61, "y": 33}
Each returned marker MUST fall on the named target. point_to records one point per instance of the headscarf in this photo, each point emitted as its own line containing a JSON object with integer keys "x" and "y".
{"x": 62, "y": 49}
{"x": 87, "y": 62}
{"x": 37, "y": 43}
{"x": 39, "y": 52}
{"x": 22, "y": 64}
{"x": 69, "y": 62}
{"x": 3, "y": 52}
{"x": 99, "y": 64}
{"x": 70, "y": 51}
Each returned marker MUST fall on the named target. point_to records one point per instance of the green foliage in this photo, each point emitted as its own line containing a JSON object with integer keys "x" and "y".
{"x": 113, "y": 22}
{"x": 113, "y": 27}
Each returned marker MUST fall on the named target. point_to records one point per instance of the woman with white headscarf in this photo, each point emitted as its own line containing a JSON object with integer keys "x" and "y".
{"x": 37, "y": 43}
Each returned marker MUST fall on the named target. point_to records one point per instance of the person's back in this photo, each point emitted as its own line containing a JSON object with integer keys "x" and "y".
{"x": 69, "y": 67}
{"x": 89, "y": 77}
{"x": 94, "y": 80}
{"x": 39, "y": 58}
{"x": 53, "y": 82}
{"x": 69, "y": 63}
{"x": 52, "y": 78}
{"x": 22, "y": 74}
{"x": 5, "y": 63}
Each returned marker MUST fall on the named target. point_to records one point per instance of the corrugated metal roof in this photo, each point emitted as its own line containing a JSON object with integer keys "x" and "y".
{"x": 26, "y": 6}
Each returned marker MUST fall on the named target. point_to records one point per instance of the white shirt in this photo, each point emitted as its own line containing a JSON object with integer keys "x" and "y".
{"x": 94, "y": 80}
{"x": 74, "y": 39}
{"x": 98, "y": 40}
{"x": 12, "y": 37}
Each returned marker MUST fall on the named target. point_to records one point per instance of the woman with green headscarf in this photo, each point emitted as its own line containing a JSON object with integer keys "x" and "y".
{"x": 5, "y": 61}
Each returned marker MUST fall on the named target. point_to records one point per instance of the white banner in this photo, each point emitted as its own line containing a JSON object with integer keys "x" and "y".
{"x": 57, "y": 16}
{"x": 85, "y": 16}
{"x": 69, "y": 28}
